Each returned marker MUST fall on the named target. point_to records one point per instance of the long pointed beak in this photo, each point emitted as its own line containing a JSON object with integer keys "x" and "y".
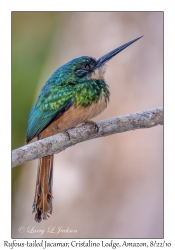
{"x": 102, "y": 60}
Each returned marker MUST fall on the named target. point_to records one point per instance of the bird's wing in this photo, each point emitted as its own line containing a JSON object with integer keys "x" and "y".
{"x": 52, "y": 102}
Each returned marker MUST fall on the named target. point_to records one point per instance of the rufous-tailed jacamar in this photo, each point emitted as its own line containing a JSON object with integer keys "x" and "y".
{"x": 75, "y": 93}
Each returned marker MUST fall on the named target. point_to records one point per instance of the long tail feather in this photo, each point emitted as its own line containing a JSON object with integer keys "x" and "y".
{"x": 42, "y": 205}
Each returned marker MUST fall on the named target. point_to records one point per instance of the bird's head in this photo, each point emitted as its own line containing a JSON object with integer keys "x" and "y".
{"x": 86, "y": 67}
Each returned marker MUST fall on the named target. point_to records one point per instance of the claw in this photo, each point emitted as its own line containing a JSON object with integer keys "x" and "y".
{"x": 64, "y": 132}
{"x": 94, "y": 124}
{"x": 67, "y": 133}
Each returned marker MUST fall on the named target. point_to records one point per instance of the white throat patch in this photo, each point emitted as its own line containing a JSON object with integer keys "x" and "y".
{"x": 98, "y": 73}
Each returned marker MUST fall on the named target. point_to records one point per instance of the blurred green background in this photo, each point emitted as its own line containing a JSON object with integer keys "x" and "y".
{"x": 32, "y": 39}
{"x": 113, "y": 186}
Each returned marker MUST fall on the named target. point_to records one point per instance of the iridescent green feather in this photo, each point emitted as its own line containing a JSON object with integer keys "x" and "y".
{"x": 63, "y": 89}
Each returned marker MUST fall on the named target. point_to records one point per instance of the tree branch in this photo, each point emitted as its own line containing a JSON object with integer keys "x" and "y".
{"x": 60, "y": 141}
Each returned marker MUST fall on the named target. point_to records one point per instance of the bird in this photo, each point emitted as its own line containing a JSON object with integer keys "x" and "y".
{"x": 74, "y": 94}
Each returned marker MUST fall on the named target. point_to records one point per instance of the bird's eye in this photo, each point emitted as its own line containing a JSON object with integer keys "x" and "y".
{"x": 87, "y": 66}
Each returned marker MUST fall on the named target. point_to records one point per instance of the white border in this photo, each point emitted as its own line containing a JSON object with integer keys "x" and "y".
{"x": 5, "y": 84}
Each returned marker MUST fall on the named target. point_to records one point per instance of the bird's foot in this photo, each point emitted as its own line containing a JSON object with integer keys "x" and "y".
{"x": 94, "y": 124}
{"x": 64, "y": 132}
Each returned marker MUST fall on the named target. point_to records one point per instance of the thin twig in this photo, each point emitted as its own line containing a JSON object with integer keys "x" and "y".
{"x": 60, "y": 141}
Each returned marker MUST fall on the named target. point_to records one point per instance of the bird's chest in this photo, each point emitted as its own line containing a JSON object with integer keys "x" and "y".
{"x": 80, "y": 114}
{"x": 74, "y": 116}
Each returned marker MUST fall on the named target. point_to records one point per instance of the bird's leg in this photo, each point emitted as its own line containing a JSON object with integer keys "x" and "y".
{"x": 94, "y": 124}
{"x": 63, "y": 131}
